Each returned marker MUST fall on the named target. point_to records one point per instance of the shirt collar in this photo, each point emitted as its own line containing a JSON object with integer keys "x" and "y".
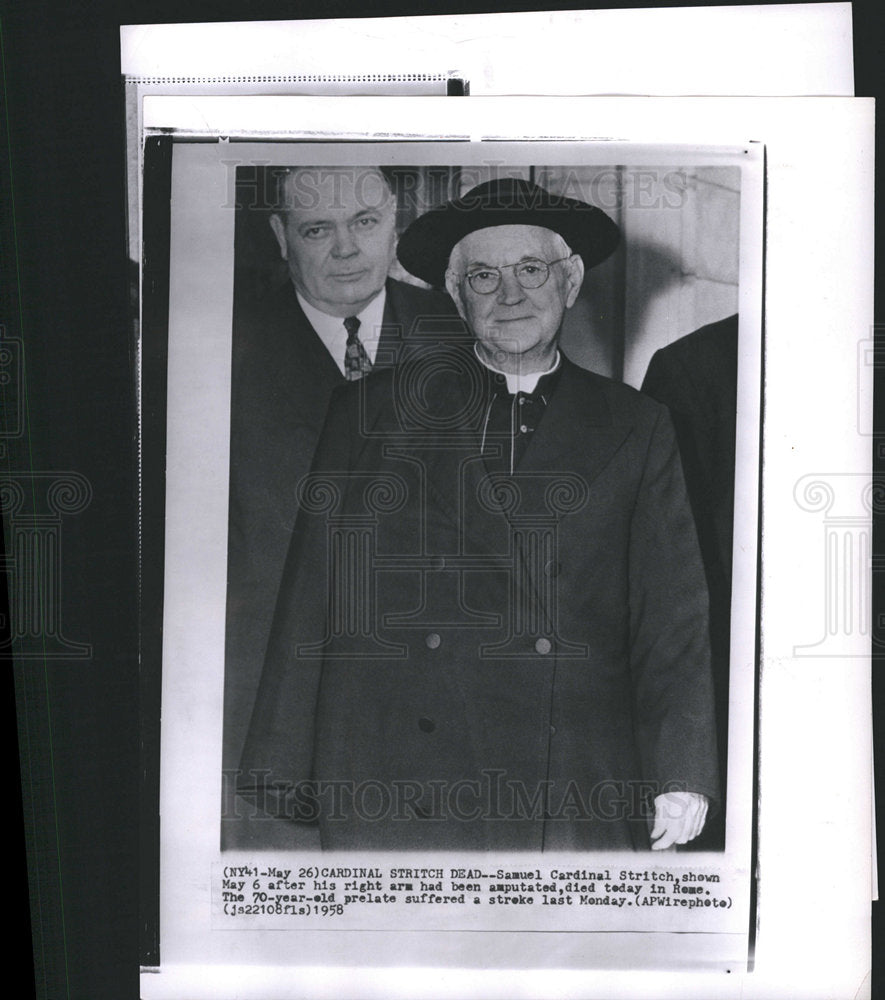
{"x": 520, "y": 383}
{"x": 330, "y": 329}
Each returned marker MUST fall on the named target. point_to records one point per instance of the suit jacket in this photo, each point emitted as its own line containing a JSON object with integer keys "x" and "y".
{"x": 466, "y": 661}
{"x": 696, "y": 378}
{"x": 282, "y": 378}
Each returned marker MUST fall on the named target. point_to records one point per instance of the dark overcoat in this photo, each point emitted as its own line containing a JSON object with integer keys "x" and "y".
{"x": 281, "y": 379}
{"x": 470, "y": 660}
{"x": 696, "y": 378}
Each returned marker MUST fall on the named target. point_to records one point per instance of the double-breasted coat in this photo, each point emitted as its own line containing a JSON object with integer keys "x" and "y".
{"x": 467, "y": 659}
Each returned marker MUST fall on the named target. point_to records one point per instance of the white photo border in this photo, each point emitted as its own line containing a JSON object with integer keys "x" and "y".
{"x": 187, "y": 361}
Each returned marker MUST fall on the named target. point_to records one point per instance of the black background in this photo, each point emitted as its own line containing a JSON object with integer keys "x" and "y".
{"x": 64, "y": 291}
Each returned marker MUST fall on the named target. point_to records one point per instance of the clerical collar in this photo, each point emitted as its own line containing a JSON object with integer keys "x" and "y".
{"x": 519, "y": 383}
{"x": 330, "y": 329}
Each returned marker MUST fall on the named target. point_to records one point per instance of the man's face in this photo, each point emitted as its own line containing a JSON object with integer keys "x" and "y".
{"x": 337, "y": 236}
{"x": 516, "y": 328}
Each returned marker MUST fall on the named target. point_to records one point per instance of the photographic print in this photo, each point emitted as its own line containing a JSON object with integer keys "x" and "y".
{"x": 469, "y": 582}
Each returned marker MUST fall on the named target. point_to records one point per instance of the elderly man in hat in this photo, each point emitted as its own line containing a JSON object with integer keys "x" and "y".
{"x": 501, "y": 643}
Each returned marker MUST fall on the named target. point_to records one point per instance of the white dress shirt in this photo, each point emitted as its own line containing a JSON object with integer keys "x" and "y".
{"x": 330, "y": 329}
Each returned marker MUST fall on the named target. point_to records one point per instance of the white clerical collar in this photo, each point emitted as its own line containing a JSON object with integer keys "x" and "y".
{"x": 330, "y": 329}
{"x": 519, "y": 383}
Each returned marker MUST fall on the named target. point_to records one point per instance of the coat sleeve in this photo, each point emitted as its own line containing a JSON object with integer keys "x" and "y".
{"x": 276, "y": 765}
{"x": 669, "y": 629}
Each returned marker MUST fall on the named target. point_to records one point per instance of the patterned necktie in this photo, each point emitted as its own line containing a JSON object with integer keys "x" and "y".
{"x": 356, "y": 361}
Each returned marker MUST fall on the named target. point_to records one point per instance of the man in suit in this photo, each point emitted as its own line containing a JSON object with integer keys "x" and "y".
{"x": 338, "y": 316}
{"x": 492, "y": 625}
{"x": 696, "y": 378}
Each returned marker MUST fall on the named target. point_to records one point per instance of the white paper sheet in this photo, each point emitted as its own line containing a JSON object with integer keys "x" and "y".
{"x": 814, "y": 720}
{"x": 756, "y": 50}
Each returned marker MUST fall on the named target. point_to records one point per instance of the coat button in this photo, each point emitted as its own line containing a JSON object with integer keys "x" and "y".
{"x": 543, "y": 645}
{"x": 426, "y": 725}
{"x": 433, "y": 640}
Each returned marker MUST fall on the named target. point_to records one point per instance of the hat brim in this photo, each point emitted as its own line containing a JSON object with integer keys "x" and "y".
{"x": 425, "y": 247}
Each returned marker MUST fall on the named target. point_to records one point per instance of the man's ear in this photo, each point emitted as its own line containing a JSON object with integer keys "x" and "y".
{"x": 279, "y": 230}
{"x": 574, "y": 278}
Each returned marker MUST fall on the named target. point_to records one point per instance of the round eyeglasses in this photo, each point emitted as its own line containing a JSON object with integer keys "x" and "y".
{"x": 530, "y": 273}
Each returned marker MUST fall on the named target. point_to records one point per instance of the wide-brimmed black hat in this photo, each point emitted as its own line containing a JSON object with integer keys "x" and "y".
{"x": 424, "y": 247}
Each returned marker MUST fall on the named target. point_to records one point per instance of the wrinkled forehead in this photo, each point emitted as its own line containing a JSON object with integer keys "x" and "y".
{"x": 349, "y": 189}
{"x": 499, "y": 245}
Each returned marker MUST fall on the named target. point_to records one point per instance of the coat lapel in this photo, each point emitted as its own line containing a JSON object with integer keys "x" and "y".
{"x": 459, "y": 477}
{"x": 439, "y": 398}
{"x": 578, "y": 436}
{"x": 578, "y": 433}
{"x": 390, "y": 338}
{"x": 575, "y": 440}
{"x": 440, "y": 419}
{"x": 309, "y": 351}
